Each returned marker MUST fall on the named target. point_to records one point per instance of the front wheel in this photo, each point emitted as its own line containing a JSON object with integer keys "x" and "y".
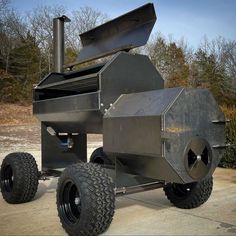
{"x": 85, "y": 199}
{"x": 189, "y": 195}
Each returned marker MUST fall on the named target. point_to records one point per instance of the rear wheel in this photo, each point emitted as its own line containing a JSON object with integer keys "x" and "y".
{"x": 85, "y": 199}
{"x": 99, "y": 157}
{"x": 19, "y": 178}
{"x": 189, "y": 195}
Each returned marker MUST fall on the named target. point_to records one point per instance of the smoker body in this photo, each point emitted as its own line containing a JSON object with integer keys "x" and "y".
{"x": 153, "y": 132}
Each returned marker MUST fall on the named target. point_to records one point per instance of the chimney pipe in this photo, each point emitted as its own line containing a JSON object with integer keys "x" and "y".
{"x": 59, "y": 42}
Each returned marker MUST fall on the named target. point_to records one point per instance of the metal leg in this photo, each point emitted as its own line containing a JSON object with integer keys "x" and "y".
{"x": 58, "y": 152}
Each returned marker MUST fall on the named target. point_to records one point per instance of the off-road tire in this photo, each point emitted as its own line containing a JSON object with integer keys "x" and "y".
{"x": 88, "y": 186}
{"x": 19, "y": 178}
{"x": 188, "y": 196}
{"x": 99, "y": 157}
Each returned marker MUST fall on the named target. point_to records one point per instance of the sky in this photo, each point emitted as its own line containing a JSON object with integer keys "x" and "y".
{"x": 188, "y": 19}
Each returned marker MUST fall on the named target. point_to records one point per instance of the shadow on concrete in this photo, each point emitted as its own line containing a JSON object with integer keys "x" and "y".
{"x": 154, "y": 199}
{"x": 48, "y": 186}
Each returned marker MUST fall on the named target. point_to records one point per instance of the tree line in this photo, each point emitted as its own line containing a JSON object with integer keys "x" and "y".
{"x": 26, "y": 53}
{"x": 212, "y": 65}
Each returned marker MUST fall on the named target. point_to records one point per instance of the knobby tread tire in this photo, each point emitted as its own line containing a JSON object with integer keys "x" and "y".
{"x": 97, "y": 199}
{"x": 25, "y": 183}
{"x": 199, "y": 194}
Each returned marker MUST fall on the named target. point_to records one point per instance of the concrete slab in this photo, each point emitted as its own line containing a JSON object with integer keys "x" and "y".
{"x": 146, "y": 213}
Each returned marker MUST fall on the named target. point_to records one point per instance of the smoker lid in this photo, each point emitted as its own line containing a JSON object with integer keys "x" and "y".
{"x": 123, "y": 33}
{"x": 148, "y": 103}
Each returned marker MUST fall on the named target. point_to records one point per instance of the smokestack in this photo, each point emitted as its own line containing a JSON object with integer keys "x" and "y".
{"x": 59, "y": 42}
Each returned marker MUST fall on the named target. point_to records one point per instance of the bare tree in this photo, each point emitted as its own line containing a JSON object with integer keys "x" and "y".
{"x": 3, "y": 7}
{"x": 188, "y": 50}
{"x": 82, "y": 20}
{"x": 41, "y": 26}
{"x": 12, "y": 29}
{"x": 224, "y": 52}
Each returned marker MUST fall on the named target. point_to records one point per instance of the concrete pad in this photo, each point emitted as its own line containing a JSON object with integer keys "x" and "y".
{"x": 146, "y": 213}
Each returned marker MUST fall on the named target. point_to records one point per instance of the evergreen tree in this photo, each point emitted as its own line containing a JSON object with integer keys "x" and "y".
{"x": 210, "y": 75}
{"x": 170, "y": 60}
{"x": 24, "y": 65}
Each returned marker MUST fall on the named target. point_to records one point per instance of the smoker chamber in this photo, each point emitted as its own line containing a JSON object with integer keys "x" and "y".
{"x": 169, "y": 134}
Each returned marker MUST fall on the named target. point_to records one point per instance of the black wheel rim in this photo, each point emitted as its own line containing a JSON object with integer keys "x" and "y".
{"x": 7, "y": 178}
{"x": 70, "y": 202}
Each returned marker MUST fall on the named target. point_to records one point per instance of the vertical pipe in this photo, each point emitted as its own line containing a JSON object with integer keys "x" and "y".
{"x": 59, "y": 42}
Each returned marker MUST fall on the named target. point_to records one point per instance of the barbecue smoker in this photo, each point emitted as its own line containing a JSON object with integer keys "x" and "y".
{"x": 152, "y": 137}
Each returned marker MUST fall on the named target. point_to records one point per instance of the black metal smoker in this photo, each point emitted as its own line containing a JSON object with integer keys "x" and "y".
{"x": 152, "y": 137}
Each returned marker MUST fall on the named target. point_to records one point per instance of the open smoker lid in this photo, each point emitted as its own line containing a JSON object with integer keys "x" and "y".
{"x": 123, "y": 33}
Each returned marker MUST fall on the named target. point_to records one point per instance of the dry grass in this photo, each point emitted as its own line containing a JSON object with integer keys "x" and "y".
{"x": 13, "y": 114}
{"x": 230, "y": 112}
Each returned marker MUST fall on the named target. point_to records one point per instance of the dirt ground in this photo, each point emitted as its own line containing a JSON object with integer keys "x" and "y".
{"x": 14, "y": 114}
